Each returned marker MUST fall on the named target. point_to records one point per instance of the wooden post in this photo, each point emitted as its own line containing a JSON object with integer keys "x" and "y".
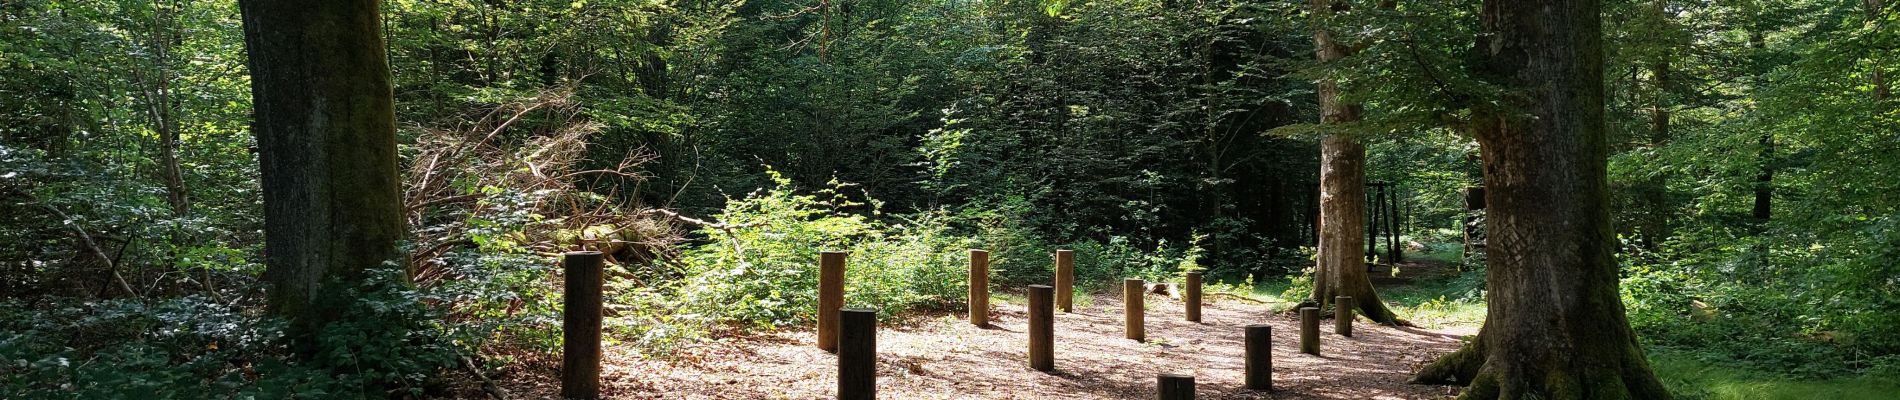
{"x": 857, "y": 354}
{"x": 1342, "y": 315}
{"x": 1065, "y": 280}
{"x": 1192, "y": 295}
{"x": 1393, "y": 221}
{"x": 1132, "y": 307}
{"x": 979, "y": 287}
{"x": 830, "y": 298}
{"x": 1309, "y": 330}
{"x": 1042, "y": 321}
{"x": 1176, "y": 387}
{"x": 580, "y": 325}
{"x": 1259, "y": 357}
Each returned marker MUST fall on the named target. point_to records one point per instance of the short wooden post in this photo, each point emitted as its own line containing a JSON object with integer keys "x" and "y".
{"x": 1132, "y": 308}
{"x": 1192, "y": 295}
{"x": 580, "y": 325}
{"x": 1342, "y": 315}
{"x": 979, "y": 287}
{"x": 1176, "y": 387}
{"x": 1042, "y": 324}
{"x": 1309, "y": 330}
{"x": 830, "y": 298}
{"x": 857, "y": 354}
{"x": 1259, "y": 357}
{"x": 1065, "y": 280}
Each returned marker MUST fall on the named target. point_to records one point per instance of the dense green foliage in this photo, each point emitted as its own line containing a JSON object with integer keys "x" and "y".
{"x": 1152, "y": 137}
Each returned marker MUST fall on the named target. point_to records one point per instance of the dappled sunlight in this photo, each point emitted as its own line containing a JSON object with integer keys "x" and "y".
{"x": 944, "y": 357}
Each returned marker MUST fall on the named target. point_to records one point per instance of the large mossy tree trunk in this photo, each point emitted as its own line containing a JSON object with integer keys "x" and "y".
{"x": 1342, "y": 193}
{"x": 326, "y": 136}
{"x": 1556, "y": 327}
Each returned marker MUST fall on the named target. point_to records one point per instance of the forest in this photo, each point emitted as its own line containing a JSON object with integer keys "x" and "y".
{"x": 949, "y": 199}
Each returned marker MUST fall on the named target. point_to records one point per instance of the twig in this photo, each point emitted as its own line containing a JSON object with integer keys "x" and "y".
{"x": 110, "y": 266}
{"x": 695, "y": 221}
{"x": 488, "y": 385}
{"x": 1242, "y": 298}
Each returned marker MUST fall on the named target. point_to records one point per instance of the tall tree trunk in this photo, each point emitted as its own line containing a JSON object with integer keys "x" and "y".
{"x": 1765, "y": 180}
{"x": 1342, "y": 199}
{"x": 1555, "y": 327}
{"x": 1875, "y": 10}
{"x": 325, "y": 125}
{"x": 1655, "y": 191}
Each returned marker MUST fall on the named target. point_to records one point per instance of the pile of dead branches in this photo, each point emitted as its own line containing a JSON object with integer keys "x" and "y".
{"x": 534, "y": 150}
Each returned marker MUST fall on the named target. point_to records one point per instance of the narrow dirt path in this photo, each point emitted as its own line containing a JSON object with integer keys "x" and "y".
{"x": 942, "y": 357}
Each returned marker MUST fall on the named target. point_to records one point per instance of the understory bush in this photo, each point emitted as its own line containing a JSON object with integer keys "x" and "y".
{"x": 388, "y": 343}
{"x": 1779, "y": 309}
{"x": 760, "y": 267}
{"x": 757, "y": 266}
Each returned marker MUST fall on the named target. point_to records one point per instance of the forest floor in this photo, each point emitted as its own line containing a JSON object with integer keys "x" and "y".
{"x": 941, "y": 356}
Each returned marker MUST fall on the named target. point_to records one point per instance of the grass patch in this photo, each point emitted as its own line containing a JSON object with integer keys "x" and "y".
{"x": 1692, "y": 379}
{"x": 1443, "y": 253}
{"x": 1440, "y": 302}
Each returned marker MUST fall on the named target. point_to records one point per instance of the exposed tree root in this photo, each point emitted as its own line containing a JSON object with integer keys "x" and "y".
{"x": 1497, "y": 378}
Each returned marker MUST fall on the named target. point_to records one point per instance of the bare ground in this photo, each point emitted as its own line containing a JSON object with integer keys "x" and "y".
{"x": 943, "y": 357}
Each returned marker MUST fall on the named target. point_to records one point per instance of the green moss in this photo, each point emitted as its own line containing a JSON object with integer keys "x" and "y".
{"x": 1691, "y": 379}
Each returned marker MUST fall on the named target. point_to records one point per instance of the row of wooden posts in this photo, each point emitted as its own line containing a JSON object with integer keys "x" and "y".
{"x": 852, "y": 333}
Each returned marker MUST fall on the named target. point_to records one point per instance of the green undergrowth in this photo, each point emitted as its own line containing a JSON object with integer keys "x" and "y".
{"x": 1692, "y": 379}
{"x": 1434, "y": 303}
{"x": 758, "y": 269}
{"x": 1440, "y": 302}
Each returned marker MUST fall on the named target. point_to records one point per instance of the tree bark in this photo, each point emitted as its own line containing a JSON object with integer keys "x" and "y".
{"x": 1341, "y": 269}
{"x": 1556, "y": 327}
{"x": 325, "y": 126}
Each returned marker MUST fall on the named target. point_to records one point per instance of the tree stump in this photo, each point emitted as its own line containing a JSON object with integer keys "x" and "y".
{"x": 1133, "y": 308}
{"x": 1259, "y": 357}
{"x": 1042, "y": 356}
{"x": 979, "y": 287}
{"x": 1175, "y": 387}
{"x": 1065, "y": 280}
{"x": 857, "y": 354}
{"x": 1309, "y": 330}
{"x": 1192, "y": 296}
{"x": 830, "y": 298}
{"x": 580, "y": 325}
{"x": 1342, "y": 315}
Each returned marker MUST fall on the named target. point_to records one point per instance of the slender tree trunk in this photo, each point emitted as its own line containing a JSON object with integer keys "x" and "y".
{"x": 160, "y": 108}
{"x": 325, "y": 126}
{"x": 1342, "y": 199}
{"x": 1655, "y": 193}
{"x": 1765, "y": 180}
{"x": 1875, "y": 10}
{"x": 1555, "y": 327}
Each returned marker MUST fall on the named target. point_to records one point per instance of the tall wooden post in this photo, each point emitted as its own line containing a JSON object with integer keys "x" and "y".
{"x": 1192, "y": 296}
{"x": 1133, "y": 308}
{"x": 1042, "y": 321}
{"x": 1393, "y": 223}
{"x": 1259, "y": 357}
{"x": 1309, "y": 330}
{"x": 979, "y": 287}
{"x": 857, "y": 354}
{"x": 1175, "y": 387}
{"x": 1065, "y": 280}
{"x": 830, "y": 298}
{"x": 580, "y": 325}
{"x": 1342, "y": 315}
